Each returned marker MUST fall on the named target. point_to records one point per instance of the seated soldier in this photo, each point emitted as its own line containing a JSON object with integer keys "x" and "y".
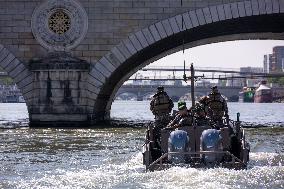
{"x": 200, "y": 115}
{"x": 203, "y": 102}
{"x": 182, "y": 118}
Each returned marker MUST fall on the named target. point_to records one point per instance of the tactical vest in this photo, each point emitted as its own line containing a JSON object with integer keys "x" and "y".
{"x": 215, "y": 104}
{"x": 161, "y": 104}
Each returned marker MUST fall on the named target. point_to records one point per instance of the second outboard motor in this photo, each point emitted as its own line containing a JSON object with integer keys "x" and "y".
{"x": 178, "y": 142}
{"x": 211, "y": 141}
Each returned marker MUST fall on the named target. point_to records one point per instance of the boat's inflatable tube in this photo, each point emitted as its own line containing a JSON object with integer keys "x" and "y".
{"x": 178, "y": 142}
{"x": 211, "y": 140}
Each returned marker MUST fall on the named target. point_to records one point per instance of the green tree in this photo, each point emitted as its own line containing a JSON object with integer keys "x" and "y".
{"x": 7, "y": 81}
{"x": 279, "y": 80}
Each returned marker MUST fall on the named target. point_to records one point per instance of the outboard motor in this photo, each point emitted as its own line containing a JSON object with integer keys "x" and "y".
{"x": 210, "y": 140}
{"x": 178, "y": 142}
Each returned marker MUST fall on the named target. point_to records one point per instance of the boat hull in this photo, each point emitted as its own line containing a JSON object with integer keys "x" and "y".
{"x": 263, "y": 98}
{"x": 235, "y": 155}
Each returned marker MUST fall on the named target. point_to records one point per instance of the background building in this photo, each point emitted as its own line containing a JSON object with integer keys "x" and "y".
{"x": 252, "y": 82}
{"x": 274, "y": 62}
{"x": 266, "y": 63}
{"x": 278, "y": 56}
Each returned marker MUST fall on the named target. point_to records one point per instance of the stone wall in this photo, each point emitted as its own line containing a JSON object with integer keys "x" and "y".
{"x": 110, "y": 21}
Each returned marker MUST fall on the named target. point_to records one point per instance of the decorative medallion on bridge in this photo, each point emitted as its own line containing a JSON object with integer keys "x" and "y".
{"x": 59, "y": 25}
{"x": 59, "y": 22}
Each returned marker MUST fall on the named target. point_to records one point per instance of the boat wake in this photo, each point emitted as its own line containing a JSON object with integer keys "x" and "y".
{"x": 265, "y": 171}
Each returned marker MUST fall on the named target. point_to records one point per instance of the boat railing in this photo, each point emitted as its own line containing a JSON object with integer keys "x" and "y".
{"x": 159, "y": 161}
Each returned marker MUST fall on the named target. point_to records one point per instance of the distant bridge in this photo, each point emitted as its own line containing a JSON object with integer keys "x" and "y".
{"x": 217, "y": 73}
{"x": 175, "y": 92}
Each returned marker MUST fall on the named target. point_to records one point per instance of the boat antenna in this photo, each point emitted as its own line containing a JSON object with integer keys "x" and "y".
{"x": 191, "y": 67}
{"x": 182, "y": 27}
{"x": 192, "y": 78}
{"x": 184, "y": 74}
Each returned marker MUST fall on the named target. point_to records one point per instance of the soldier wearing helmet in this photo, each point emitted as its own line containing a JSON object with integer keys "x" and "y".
{"x": 216, "y": 106}
{"x": 161, "y": 106}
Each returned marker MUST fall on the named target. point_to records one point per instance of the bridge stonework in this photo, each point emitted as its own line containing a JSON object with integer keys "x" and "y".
{"x": 70, "y": 57}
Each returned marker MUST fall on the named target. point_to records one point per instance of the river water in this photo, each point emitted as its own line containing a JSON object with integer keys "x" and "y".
{"x": 111, "y": 157}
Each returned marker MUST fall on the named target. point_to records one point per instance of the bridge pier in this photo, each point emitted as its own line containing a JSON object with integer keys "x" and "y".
{"x": 60, "y": 96}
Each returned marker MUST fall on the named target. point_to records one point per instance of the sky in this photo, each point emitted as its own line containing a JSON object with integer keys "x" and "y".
{"x": 231, "y": 54}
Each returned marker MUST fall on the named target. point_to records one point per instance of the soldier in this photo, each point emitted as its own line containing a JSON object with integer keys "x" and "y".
{"x": 203, "y": 102}
{"x": 216, "y": 106}
{"x": 200, "y": 114}
{"x": 161, "y": 106}
{"x": 182, "y": 118}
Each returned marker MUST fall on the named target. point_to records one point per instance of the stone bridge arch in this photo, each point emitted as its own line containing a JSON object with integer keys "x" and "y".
{"x": 19, "y": 73}
{"x": 255, "y": 19}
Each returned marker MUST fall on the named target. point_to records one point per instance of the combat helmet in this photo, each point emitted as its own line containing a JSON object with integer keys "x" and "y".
{"x": 214, "y": 89}
{"x": 160, "y": 88}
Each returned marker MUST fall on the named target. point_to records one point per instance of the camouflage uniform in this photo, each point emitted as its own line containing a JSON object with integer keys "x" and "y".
{"x": 161, "y": 106}
{"x": 183, "y": 118}
{"x": 200, "y": 115}
{"x": 216, "y": 106}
